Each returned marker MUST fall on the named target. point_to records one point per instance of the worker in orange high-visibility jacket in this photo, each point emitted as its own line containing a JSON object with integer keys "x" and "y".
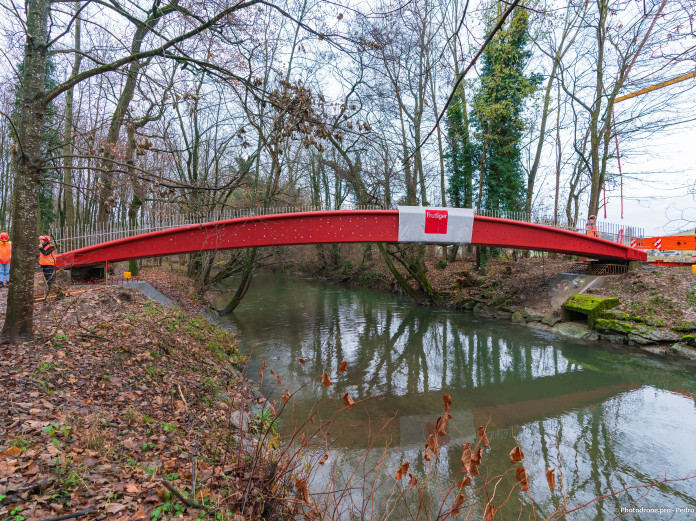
{"x": 5, "y": 257}
{"x": 47, "y": 258}
{"x": 591, "y": 226}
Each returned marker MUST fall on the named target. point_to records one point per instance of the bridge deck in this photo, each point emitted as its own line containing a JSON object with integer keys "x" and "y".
{"x": 339, "y": 226}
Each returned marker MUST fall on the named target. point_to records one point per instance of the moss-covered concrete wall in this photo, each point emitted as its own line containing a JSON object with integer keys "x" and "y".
{"x": 587, "y": 305}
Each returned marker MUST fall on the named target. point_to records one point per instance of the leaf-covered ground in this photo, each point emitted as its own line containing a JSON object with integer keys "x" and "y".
{"x": 114, "y": 397}
{"x": 661, "y": 294}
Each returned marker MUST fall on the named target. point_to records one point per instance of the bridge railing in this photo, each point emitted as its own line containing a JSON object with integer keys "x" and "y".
{"x": 81, "y": 236}
{"x": 613, "y": 232}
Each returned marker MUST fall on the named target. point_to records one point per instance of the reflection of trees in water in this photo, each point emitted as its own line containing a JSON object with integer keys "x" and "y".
{"x": 595, "y": 463}
{"x": 559, "y": 393}
{"x": 391, "y": 349}
{"x": 413, "y": 352}
{"x": 406, "y": 349}
{"x": 397, "y": 350}
{"x": 414, "y": 355}
{"x": 598, "y": 458}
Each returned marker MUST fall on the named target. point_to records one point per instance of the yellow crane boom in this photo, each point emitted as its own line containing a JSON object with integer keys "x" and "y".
{"x": 655, "y": 87}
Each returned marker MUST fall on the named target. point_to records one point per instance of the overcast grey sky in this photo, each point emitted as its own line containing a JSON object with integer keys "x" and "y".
{"x": 661, "y": 200}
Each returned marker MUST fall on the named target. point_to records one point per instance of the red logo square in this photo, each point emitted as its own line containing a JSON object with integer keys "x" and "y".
{"x": 436, "y": 221}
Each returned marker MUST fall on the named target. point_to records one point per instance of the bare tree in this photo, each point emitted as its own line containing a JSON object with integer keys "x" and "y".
{"x": 33, "y": 100}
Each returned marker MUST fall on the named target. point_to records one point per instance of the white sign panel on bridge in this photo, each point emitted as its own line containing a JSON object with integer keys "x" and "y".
{"x": 435, "y": 225}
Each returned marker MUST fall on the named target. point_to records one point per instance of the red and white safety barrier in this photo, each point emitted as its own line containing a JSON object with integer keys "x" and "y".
{"x": 658, "y": 244}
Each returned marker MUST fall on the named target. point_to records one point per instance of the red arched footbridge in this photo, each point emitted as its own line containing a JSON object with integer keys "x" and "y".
{"x": 407, "y": 224}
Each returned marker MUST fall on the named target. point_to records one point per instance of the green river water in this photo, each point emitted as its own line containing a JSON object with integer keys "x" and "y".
{"x": 606, "y": 417}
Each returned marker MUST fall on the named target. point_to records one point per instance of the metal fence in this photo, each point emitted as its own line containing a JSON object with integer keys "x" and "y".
{"x": 81, "y": 236}
{"x": 605, "y": 230}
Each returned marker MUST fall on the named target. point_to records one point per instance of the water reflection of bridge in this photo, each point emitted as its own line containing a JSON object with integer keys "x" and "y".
{"x": 407, "y": 357}
{"x": 505, "y": 405}
{"x": 590, "y": 403}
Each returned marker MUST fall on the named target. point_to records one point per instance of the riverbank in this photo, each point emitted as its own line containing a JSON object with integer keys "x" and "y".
{"x": 124, "y": 409}
{"x": 655, "y": 313}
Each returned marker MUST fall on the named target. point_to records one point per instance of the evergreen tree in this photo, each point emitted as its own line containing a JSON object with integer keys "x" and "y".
{"x": 50, "y": 144}
{"x": 460, "y": 154}
{"x": 497, "y": 116}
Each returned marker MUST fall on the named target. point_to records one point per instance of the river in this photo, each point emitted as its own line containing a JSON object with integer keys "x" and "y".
{"x": 606, "y": 417}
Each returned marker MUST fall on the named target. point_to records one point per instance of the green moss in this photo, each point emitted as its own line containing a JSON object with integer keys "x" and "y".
{"x": 685, "y": 327}
{"x": 588, "y": 305}
{"x": 518, "y": 317}
{"x": 689, "y": 340}
{"x": 614, "y": 315}
{"x": 655, "y": 322}
{"x": 497, "y": 302}
{"x": 604, "y": 324}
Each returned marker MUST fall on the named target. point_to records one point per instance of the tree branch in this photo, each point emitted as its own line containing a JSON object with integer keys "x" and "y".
{"x": 158, "y": 51}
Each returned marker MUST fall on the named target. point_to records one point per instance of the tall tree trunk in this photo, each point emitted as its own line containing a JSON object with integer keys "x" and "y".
{"x": 558, "y": 155}
{"x": 106, "y": 191}
{"x": 596, "y": 174}
{"x": 68, "y": 204}
{"x": 443, "y": 198}
{"x": 19, "y": 319}
{"x": 138, "y": 195}
{"x": 409, "y": 177}
{"x": 531, "y": 178}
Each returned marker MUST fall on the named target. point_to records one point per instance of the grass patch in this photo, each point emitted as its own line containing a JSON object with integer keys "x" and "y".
{"x": 43, "y": 368}
{"x": 168, "y": 427}
{"x": 154, "y": 372}
{"x": 691, "y": 295}
{"x": 59, "y": 340}
{"x": 263, "y": 422}
{"x": 70, "y": 475}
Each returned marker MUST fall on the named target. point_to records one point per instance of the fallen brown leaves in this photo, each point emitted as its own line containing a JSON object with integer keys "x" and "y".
{"x": 112, "y": 397}
{"x": 301, "y": 486}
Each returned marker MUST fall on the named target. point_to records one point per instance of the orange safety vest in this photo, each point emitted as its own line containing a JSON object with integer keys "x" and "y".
{"x": 591, "y": 228}
{"x": 5, "y": 252}
{"x": 47, "y": 260}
